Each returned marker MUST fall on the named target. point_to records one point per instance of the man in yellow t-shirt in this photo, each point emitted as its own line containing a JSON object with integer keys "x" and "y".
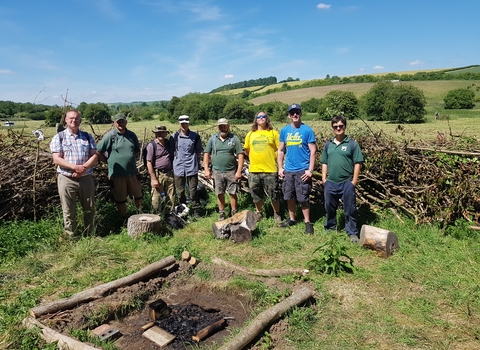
{"x": 261, "y": 145}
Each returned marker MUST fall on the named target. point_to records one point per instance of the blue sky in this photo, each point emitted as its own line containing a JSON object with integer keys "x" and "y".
{"x": 148, "y": 50}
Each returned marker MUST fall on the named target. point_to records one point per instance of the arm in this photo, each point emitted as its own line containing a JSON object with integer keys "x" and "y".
{"x": 280, "y": 157}
{"x": 309, "y": 172}
{"x": 151, "y": 172}
{"x": 206, "y": 165}
{"x": 324, "y": 173}
{"x": 356, "y": 173}
{"x": 238, "y": 174}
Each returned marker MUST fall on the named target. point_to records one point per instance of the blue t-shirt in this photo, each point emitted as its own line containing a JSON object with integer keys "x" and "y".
{"x": 297, "y": 153}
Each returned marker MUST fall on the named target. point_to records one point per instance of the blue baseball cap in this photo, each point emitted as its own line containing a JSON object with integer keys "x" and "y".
{"x": 294, "y": 106}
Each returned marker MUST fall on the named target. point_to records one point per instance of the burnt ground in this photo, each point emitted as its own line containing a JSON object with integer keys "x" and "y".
{"x": 193, "y": 303}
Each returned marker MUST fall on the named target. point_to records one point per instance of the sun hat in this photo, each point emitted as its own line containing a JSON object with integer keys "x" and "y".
{"x": 160, "y": 128}
{"x": 222, "y": 121}
{"x": 184, "y": 119}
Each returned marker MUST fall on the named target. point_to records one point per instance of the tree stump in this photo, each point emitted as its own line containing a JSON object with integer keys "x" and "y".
{"x": 238, "y": 228}
{"x": 141, "y": 223}
{"x": 383, "y": 241}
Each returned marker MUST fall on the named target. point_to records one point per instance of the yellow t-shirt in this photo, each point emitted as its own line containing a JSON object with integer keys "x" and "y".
{"x": 262, "y": 146}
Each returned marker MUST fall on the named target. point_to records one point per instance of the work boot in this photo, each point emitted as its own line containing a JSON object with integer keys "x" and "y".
{"x": 309, "y": 228}
{"x": 221, "y": 215}
{"x": 288, "y": 223}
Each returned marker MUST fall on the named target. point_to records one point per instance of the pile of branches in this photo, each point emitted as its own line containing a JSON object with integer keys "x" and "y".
{"x": 436, "y": 181}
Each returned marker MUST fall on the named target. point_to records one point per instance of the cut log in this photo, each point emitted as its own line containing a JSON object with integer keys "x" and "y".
{"x": 383, "y": 241}
{"x": 258, "y": 272}
{"x": 49, "y": 335}
{"x": 193, "y": 261}
{"x": 142, "y": 223}
{"x": 238, "y": 228}
{"x": 101, "y": 290}
{"x": 185, "y": 255}
{"x": 209, "y": 330}
{"x": 267, "y": 317}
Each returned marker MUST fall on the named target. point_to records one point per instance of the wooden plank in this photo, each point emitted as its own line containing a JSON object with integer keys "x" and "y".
{"x": 159, "y": 336}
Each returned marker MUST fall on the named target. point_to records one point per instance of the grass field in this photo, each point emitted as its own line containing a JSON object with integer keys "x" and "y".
{"x": 425, "y": 296}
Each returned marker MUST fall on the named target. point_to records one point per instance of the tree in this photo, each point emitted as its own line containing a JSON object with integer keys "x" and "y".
{"x": 97, "y": 113}
{"x": 460, "y": 99}
{"x": 405, "y": 104}
{"x": 339, "y": 102}
{"x": 239, "y": 109}
{"x": 53, "y": 116}
{"x": 373, "y": 102}
{"x": 311, "y": 105}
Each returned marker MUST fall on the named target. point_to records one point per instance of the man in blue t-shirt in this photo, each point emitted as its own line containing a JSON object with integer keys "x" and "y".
{"x": 298, "y": 149}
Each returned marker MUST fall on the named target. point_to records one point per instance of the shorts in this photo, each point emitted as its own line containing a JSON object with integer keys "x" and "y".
{"x": 264, "y": 183}
{"x": 126, "y": 185}
{"x": 295, "y": 188}
{"x": 225, "y": 182}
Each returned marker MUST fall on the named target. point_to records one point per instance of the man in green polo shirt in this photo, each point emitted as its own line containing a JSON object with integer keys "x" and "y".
{"x": 226, "y": 152}
{"x": 341, "y": 162}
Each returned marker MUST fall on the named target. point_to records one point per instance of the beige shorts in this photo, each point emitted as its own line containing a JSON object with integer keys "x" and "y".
{"x": 124, "y": 186}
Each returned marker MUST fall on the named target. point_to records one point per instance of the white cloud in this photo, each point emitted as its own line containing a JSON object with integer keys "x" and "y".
{"x": 323, "y": 6}
{"x": 229, "y": 76}
{"x": 415, "y": 63}
{"x": 342, "y": 50}
{"x": 6, "y": 71}
{"x": 378, "y": 67}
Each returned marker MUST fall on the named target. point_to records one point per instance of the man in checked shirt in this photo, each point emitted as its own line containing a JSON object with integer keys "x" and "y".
{"x": 74, "y": 153}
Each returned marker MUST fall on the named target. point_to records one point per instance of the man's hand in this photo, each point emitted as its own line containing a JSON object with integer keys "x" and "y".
{"x": 155, "y": 183}
{"x": 207, "y": 173}
{"x": 307, "y": 175}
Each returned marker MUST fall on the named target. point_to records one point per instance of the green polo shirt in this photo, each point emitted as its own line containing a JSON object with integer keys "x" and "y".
{"x": 224, "y": 157}
{"x": 340, "y": 161}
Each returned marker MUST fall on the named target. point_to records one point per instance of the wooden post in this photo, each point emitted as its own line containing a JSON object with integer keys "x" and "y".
{"x": 383, "y": 241}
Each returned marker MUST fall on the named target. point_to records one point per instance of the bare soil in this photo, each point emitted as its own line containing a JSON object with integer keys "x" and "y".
{"x": 179, "y": 288}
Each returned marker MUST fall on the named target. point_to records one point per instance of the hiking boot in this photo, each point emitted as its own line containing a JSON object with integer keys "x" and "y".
{"x": 309, "y": 228}
{"x": 196, "y": 214}
{"x": 353, "y": 238}
{"x": 221, "y": 215}
{"x": 259, "y": 216}
{"x": 232, "y": 212}
{"x": 277, "y": 217}
{"x": 287, "y": 223}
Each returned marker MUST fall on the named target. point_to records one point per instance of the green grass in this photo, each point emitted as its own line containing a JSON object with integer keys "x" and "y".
{"x": 424, "y": 296}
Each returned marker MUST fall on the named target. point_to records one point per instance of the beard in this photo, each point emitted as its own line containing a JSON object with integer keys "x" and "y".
{"x": 224, "y": 134}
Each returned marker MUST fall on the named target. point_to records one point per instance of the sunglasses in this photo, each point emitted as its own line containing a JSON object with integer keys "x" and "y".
{"x": 261, "y": 116}
{"x": 294, "y": 112}
{"x": 340, "y": 127}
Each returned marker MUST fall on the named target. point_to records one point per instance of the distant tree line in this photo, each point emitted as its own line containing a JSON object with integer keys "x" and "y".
{"x": 396, "y": 102}
{"x": 247, "y": 83}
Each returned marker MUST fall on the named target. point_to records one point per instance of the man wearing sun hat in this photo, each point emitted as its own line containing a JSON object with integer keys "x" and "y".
{"x": 226, "y": 152}
{"x": 160, "y": 168}
{"x": 187, "y": 149}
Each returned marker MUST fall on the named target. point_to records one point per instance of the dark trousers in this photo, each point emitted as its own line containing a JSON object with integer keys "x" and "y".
{"x": 346, "y": 192}
{"x": 192, "y": 182}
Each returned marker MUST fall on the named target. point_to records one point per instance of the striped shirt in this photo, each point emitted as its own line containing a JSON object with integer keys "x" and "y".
{"x": 74, "y": 149}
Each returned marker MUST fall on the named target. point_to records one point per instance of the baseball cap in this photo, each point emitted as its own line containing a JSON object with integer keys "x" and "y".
{"x": 119, "y": 116}
{"x": 222, "y": 121}
{"x": 160, "y": 128}
{"x": 184, "y": 119}
{"x": 294, "y": 106}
